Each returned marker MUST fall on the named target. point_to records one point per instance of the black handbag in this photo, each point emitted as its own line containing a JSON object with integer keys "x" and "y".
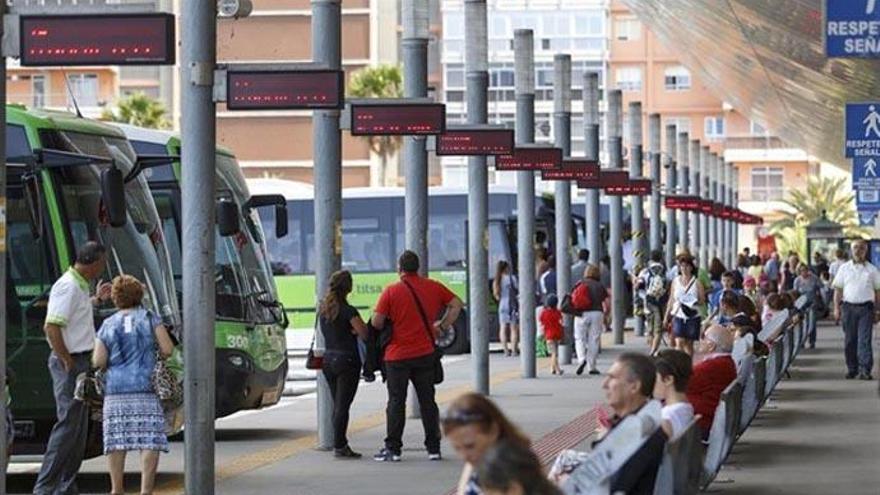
{"x": 438, "y": 353}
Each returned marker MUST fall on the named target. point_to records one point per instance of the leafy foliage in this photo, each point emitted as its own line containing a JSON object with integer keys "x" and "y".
{"x": 383, "y": 81}
{"x": 822, "y": 195}
{"x": 140, "y": 110}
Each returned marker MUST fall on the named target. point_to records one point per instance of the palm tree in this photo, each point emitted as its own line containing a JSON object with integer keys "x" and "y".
{"x": 823, "y": 195}
{"x": 140, "y": 110}
{"x": 383, "y": 81}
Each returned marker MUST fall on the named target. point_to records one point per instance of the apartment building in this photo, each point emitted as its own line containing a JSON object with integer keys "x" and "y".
{"x": 649, "y": 72}
{"x": 575, "y": 27}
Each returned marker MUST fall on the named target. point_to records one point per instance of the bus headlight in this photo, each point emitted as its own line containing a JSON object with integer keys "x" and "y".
{"x": 236, "y": 361}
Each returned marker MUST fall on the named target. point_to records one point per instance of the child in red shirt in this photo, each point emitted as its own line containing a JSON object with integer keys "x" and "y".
{"x": 551, "y": 320}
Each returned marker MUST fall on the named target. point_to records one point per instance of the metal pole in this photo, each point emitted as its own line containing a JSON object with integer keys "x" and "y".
{"x": 524, "y": 81}
{"x": 714, "y": 238}
{"x": 326, "y": 49}
{"x": 414, "y": 45}
{"x": 615, "y": 154}
{"x": 735, "y": 193}
{"x": 683, "y": 181}
{"x": 591, "y": 152}
{"x": 654, "y": 152}
{"x": 694, "y": 188}
{"x": 477, "y": 68}
{"x": 3, "y": 440}
{"x": 704, "y": 192}
{"x": 562, "y": 198}
{"x": 723, "y": 240}
{"x": 636, "y": 157}
{"x": 671, "y": 188}
{"x": 199, "y": 57}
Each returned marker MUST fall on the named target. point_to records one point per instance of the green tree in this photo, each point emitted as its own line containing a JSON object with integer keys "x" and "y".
{"x": 140, "y": 110}
{"x": 383, "y": 81}
{"x": 823, "y": 195}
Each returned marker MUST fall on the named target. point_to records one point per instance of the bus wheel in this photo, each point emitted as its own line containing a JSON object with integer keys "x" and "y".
{"x": 461, "y": 343}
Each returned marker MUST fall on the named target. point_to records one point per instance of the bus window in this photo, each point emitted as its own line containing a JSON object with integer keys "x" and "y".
{"x": 16, "y": 142}
{"x": 446, "y": 240}
{"x": 365, "y": 248}
{"x": 29, "y": 267}
{"x": 499, "y": 246}
{"x": 165, "y": 207}
{"x": 286, "y": 253}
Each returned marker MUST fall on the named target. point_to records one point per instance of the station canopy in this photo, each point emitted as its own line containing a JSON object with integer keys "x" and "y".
{"x": 767, "y": 59}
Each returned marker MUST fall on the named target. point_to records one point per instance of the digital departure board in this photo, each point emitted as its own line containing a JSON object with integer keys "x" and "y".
{"x": 284, "y": 90}
{"x": 475, "y": 142}
{"x": 706, "y": 206}
{"x": 105, "y": 39}
{"x": 586, "y": 171}
{"x": 530, "y": 158}
{"x": 403, "y": 119}
{"x": 632, "y": 187}
{"x": 719, "y": 210}
{"x": 684, "y": 203}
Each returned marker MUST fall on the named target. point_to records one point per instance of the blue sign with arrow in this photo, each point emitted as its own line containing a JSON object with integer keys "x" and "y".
{"x": 863, "y": 129}
{"x": 852, "y": 28}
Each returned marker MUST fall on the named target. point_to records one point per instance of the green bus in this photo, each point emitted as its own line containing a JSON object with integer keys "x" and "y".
{"x": 250, "y": 323}
{"x": 373, "y": 235}
{"x": 55, "y": 204}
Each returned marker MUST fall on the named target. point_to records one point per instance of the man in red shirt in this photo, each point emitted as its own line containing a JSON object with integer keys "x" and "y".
{"x": 711, "y": 375}
{"x": 409, "y": 355}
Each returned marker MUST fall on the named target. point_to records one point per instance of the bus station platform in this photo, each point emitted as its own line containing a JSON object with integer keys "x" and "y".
{"x": 819, "y": 434}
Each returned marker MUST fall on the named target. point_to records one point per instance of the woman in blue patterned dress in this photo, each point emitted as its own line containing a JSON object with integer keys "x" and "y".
{"x": 133, "y": 417}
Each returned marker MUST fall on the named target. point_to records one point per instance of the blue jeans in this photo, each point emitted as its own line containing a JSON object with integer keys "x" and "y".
{"x": 858, "y": 327}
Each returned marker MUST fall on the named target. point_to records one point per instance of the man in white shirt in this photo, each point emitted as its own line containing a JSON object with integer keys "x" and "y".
{"x": 70, "y": 330}
{"x": 856, "y": 293}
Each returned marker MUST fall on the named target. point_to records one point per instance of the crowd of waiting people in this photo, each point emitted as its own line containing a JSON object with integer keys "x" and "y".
{"x": 702, "y": 313}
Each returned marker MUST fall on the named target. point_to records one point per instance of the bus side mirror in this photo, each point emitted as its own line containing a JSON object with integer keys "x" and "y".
{"x": 113, "y": 195}
{"x": 280, "y": 220}
{"x": 32, "y": 198}
{"x": 227, "y": 218}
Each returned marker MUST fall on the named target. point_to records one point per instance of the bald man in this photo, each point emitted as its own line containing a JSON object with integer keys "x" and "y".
{"x": 711, "y": 375}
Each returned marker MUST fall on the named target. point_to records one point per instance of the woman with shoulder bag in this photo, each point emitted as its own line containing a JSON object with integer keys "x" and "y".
{"x": 133, "y": 417}
{"x": 341, "y": 326}
{"x": 505, "y": 290}
{"x": 687, "y": 294}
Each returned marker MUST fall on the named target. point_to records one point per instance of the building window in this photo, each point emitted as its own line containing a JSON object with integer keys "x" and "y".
{"x": 714, "y": 128}
{"x": 627, "y": 29}
{"x": 756, "y": 129}
{"x": 767, "y": 183}
{"x": 38, "y": 90}
{"x": 677, "y": 78}
{"x": 629, "y": 78}
{"x": 84, "y": 88}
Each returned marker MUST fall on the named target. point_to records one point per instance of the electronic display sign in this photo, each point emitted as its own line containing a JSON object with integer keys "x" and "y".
{"x": 632, "y": 187}
{"x": 706, "y": 206}
{"x": 530, "y": 159}
{"x": 284, "y": 90}
{"x": 684, "y": 203}
{"x": 475, "y": 142}
{"x": 577, "y": 170}
{"x": 402, "y": 119}
{"x": 105, "y": 39}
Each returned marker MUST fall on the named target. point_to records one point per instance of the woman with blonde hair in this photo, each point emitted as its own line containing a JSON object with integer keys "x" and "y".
{"x": 133, "y": 417}
{"x": 341, "y": 325}
{"x": 473, "y": 424}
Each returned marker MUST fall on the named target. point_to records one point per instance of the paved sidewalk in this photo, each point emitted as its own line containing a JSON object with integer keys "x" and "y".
{"x": 821, "y": 434}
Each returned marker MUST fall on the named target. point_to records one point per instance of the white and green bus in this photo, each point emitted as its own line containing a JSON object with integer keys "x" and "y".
{"x": 55, "y": 164}
{"x": 250, "y": 323}
{"x": 373, "y": 235}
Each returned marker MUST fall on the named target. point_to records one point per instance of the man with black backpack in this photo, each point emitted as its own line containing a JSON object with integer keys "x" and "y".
{"x": 652, "y": 282}
{"x": 412, "y": 304}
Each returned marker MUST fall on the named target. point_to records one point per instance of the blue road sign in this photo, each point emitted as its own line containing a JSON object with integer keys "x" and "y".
{"x": 866, "y": 173}
{"x": 863, "y": 129}
{"x": 868, "y": 200}
{"x": 866, "y": 218}
{"x": 875, "y": 252}
{"x": 852, "y": 28}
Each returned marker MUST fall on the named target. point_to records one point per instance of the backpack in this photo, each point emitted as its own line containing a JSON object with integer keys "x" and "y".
{"x": 655, "y": 290}
{"x": 578, "y": 301}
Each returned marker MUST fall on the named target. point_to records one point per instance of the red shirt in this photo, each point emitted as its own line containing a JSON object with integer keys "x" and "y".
{"x": 708, "y": 380}
{"x": 409, "y": 338}
{"x": 551, "y": 320}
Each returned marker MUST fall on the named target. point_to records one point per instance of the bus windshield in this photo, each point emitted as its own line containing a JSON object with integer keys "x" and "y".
{"x": 138, "y": 247}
